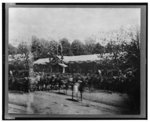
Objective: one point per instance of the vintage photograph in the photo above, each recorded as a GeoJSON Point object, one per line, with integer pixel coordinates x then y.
{"type": "Point", "coordinates": [74, 61]}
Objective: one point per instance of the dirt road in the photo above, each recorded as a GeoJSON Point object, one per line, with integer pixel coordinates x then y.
{"type": "Point", "coordinates": [54, 103]}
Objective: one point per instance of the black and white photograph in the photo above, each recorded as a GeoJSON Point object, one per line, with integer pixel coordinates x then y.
{"type": "Point", "coordinates": [75, 61]}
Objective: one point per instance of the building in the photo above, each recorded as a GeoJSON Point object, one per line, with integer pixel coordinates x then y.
{"type": "Point", "coordinates": [71, 64]}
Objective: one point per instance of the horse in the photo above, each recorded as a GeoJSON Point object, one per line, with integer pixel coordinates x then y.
{"type": "Point", "coordinates": [78, 87]}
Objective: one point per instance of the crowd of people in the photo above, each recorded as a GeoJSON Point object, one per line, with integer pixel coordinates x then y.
{"type": "Point", "coordinates": [41, 81]}
{"type": "Point", "coordinates": [77, 82]}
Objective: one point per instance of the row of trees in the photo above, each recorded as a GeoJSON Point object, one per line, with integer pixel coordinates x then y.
{"type": "Point", "coordinates": [41, 47]}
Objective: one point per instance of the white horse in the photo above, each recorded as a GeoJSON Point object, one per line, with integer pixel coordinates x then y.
{"type": "Point", "coordinates": [76, 90]}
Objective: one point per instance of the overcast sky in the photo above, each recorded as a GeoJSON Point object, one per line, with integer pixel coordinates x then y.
{"type": "Point", "coordinates": [72, 23]}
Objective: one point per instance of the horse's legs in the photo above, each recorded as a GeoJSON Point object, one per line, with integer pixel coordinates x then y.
{"type": "Point", "coordinates": [81, 95]}
{"type": "Point", "coordinates": [66, 91]}
{"type": "Point", "coordinates": [72, 94]}
{"type": "Point", "coordinates": [77, 95]}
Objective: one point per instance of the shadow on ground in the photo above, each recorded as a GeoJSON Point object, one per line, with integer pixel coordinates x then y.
{"type": "Point", "coordinates": [72, 100]}
{"type": "Point", "coordinates": [60, 93]}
